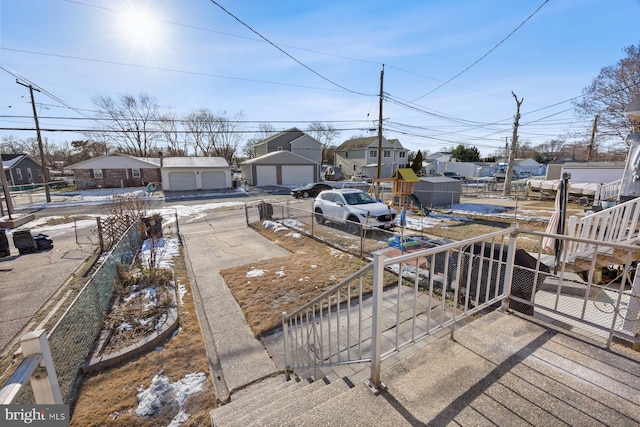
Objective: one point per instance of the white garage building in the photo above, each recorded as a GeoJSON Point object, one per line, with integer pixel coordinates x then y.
{"type": "Point", "coordinates": [195, 173]}
{"type": "Point", "coordinates": [280, 168]}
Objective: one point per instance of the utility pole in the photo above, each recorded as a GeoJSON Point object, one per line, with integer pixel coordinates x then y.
{"type": "Point", "coordinates": [380, 135]}
{"type": "Point", "coordinates": [512, 152]}
{"type": "Point", "coordinates": [43, 164]}
{"type": "Point", "coordinates": [591, 148]}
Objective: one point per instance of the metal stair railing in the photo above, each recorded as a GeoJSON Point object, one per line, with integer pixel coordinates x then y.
{"type": "Point", "coordinates": [427, 290]}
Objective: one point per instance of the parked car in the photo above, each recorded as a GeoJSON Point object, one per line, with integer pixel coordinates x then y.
{"type": "Point", "coordinates": [359, 177]}
{"type": "Point", "coordinates": [310, 190]}
{"type": "Point", "coordinates": [453, 175]}
{"type": "Point", "coordinates": [333, 173]}
{"type": "Point", "coordinates": [350, 206]}
{"type": "Point", "coordinates": [524, 174]}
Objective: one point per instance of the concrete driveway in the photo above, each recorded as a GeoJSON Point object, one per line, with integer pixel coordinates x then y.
{"type": "Point", "coordinates": [28, 281]}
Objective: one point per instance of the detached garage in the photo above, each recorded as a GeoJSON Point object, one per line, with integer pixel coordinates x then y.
{"type": "Point", "coordinates": [195, 173]}
{"type": "Point", "coordinates": [280, 168]}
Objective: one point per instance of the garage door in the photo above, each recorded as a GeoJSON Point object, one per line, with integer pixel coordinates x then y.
{"type": "Point", "coordinates": [182, 181]}
{"type": "Point", "coordinates": [297, 175]}
{"type": "Point", "coordinates": [266, 175]}
{"type": "Point", "coordinates": [213, 180]}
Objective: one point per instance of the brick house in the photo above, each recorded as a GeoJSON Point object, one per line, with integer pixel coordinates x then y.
{"type": "Point", "coordinates": [116, 171]}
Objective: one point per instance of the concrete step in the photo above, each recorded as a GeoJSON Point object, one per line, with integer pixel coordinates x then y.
{"type": "Point", "coordinates": [255, 396]}
{"type": "Point", "coordinates": [301, 402]}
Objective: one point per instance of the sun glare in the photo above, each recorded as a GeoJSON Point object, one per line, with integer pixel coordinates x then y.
{"type": "Point", "coordinates": [139, 26]}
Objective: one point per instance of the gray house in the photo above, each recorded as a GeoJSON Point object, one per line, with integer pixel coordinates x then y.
{"type": "Point", "coordinates": [360, 156]}
{"type": "Point", "coordinates": [293, 140]}
{"type": "Point", "coordinates": [22, 169]}
{"type": "Point", "coordinates": [280, 168]}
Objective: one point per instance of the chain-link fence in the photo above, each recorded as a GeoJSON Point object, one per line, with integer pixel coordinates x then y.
{"type": "Point", "coordinates": [72, 338]}
{"type": "Point", "coordinates": [356, 238]}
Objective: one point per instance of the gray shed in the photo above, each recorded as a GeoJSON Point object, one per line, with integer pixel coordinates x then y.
{"type": "Point", "coordinates": [437, 191]}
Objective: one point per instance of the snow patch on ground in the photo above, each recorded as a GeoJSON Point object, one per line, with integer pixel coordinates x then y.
{"type": "Point", "coordinates": [255, 272]}
{"type": "Point", "coordinates": [162, 391]}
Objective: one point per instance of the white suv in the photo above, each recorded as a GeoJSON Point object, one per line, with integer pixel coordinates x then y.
{"type": "Point", "coordinates": [351, 206]}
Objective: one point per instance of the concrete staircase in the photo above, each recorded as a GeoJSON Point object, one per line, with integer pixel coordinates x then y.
{"type": "Point", "coordinates": [498, 370]}
{"type": "Point", "coordinates": [276, 401]}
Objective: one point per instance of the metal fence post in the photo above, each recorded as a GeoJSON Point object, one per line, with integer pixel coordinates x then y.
{"type": "Point", "coordinates": [44, 382]}
{"type": "Point", "coordinates": [100, 236]}
{"type": "Point", "coordinates": [285, 344]}
{"type": "Point", "coordinates": [374, 382]}
{"type": "Point", "coordinates": [508, 274]}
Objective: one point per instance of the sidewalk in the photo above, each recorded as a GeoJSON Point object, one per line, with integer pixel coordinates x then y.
{"type": "Point", "coordinates": [231, 346]}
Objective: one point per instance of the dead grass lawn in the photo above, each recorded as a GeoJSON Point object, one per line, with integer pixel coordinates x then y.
{"type": "Point", "coordinates": [289, 282]}
{"type": "Point", "coordinates": [110, 397]}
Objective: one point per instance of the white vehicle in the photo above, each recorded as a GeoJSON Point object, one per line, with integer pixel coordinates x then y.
{"type": "Point", "coordinates": [351, 206]}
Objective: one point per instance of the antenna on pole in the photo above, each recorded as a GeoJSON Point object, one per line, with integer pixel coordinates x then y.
{"type": "Point", "coordinates": [512, 152]}
{"type": "Point", "coordinates": [380, 134]}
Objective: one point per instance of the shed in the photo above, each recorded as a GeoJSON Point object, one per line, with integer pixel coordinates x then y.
{"type": "Point", "coordinates": [195, 173]}
{"type": "Point", "coordinates": [437, 191]}
{"type": "Point", "coordinates": [280, 168]}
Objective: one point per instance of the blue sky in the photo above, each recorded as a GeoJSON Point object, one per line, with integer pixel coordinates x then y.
{"type": "Point", "coordinates": [195, 55]}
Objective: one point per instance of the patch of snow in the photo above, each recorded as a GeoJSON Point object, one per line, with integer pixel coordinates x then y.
{"type": "Point", "coordinates": [180, 418]}
{"type": "Point", "coordinates": [255, 272]}
{"type": "Point", "coordinates": [124, 326]}
{"type": "Point", "coordinates": [314, 266]}
{"type": "Point", "coordinates": [294, 235]}
{"type": "Point", "coordinates": [279, 229]}
{"type": "Point", "coordinates": [152, 399]}
{"type": "Point", "coordinates": [164, 251]}
{"type": "Point", "coordinates": [182, 291]}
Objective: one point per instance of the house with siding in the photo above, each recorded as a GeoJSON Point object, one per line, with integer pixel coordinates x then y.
{"type": "Point", "coordinates": [360, 156]}
{"type": "Point", "coordinates": [21, 169]}
{"type": "Point", "coordinates": [293, 140]}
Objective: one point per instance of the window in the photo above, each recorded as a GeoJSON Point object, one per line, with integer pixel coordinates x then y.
{"type": "Point", "coordinates": [19, 173]}
{"type": "Point", "coordinates": [386, 153]}
{"type": "Point", "coordinates": [279, 148]}
{"type": "Point", "coordinates": [373, 153]}
{"type": "Point", "coordinates": [30, 174]}
{"type": "Point", "coordinates": [402, 154]}
{"type": "Point", "coordinates": [135, 173]}
{"type": "Point", "coordinates": [97, 173]}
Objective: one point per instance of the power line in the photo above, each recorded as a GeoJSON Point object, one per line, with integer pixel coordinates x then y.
{"type": "Point", "coordinates": [172, 70]}
{"type": "Point", "coordinates": [485, 55]}
{"type": "Point", "coordinates": [288, 54]}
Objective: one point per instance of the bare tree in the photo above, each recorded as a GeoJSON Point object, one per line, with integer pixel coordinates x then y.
{"type": "Point", "coordinates": [610, 93]}
{"type": "Point", "coordinates": [131, 129]}
{"type": "Point", "coordinates": [176, 140]}
{"type": "Point", "coordinates": [325, 134]}
{"type": "Point", "coordinates": [227, 138]}
{"type": "Point", "coordinates": [266, 130]}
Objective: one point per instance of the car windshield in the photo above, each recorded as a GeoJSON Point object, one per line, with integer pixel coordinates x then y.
{"type": "Point", "coordinates": [358, 198]}
{"type": "Point", "coordinates": [309, 186]}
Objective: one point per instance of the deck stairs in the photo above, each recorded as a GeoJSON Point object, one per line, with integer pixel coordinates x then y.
{"type": "Point", "coordinates": [617, 224]}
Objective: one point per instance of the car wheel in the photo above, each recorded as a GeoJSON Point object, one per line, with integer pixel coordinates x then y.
{"type": "Point", "coordinates": [319, 217]}
{"type": "Point", "coordinates": [305, 195]}
{"type": "Point", "coordinates": [353, 225]}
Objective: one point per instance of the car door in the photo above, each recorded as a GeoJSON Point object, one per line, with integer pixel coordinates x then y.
{"type": "Point", "coordinates": [338, 207]}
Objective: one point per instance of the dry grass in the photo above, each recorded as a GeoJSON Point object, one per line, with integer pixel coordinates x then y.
{"type": "Point", "coordinates": [110, 397]}
{"type": "Point", "coordinates": [287, 282]}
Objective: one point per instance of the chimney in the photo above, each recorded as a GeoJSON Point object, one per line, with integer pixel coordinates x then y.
{"type": "Point", "coordinates": [161, 158]}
